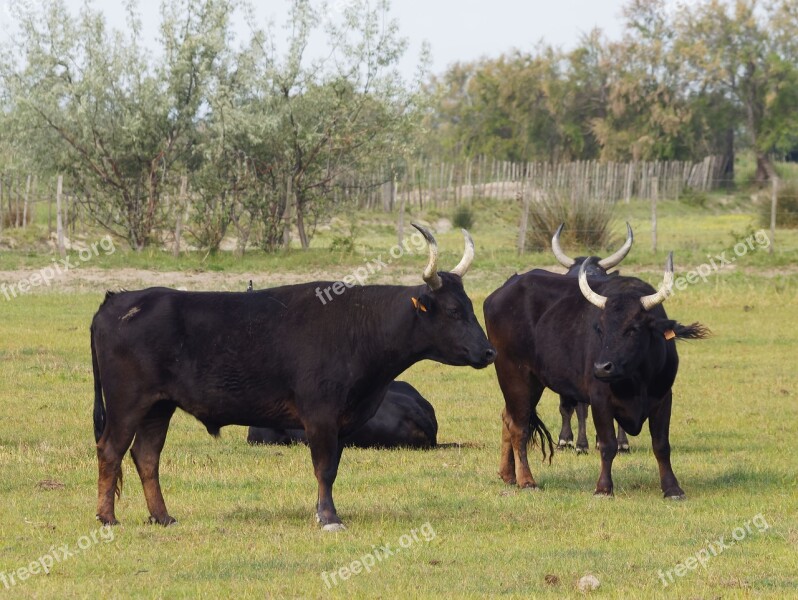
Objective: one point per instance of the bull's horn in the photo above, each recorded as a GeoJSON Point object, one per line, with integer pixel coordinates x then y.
{"type": "Point", "coordinates": [615, 259]}
{"type": "Point", "coordinates": [665, 289]}
{"type": "Point", "coordinates": [431, 277]}
{"type": "Point", "coordinates": [565, 260]}
{"type": "Point", "coordinates": [468, 256]}
{"type": "Point", "coordinates": [595, 299]}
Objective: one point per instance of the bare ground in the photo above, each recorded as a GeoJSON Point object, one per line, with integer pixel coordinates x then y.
{"type": "Point", "coordinates": [90, 279]}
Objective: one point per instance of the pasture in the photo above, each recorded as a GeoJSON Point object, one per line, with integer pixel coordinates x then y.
{"type": "Point", "coordinates": [451, 527]}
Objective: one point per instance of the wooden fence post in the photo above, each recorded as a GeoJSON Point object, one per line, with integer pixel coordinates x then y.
{"type": "Point", "coordinates": [654, 194]}
{"type": "Point", "coordinates": [524, 219]}
{"type": "Point", "coordinates": [58, 221]}
{"type": "Point", "coordinates": [774, 198]}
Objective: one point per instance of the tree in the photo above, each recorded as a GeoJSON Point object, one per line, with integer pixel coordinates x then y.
{"type": "Point", "coordinates": [123, 122]}
{"type": "Point", "coordinates": [746, 53]}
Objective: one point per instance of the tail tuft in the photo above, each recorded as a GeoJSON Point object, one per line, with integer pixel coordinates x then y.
{"type": "Point", "coordinates": [537, 429]}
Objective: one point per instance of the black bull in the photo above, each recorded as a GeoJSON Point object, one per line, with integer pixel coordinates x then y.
{"type": "Point", "coordinates": [404, 420]}
{"type": "Point", "coordinates": [606, 342]}
{"type": "Point", "coordinates": [568, 406]}
{"type": "Point", "coordinates": [273, 358]}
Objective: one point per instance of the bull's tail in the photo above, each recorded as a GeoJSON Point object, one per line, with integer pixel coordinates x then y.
{"type": "Point", "coordinates": [99, 405]}
{"type": "Point", "coordinates": [538, 431]}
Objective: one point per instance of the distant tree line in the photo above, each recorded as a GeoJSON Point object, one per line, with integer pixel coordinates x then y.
{"type": "Point", "coordinates": [701, 79]}
{"type": "Point", "coordinates": [219, 132]}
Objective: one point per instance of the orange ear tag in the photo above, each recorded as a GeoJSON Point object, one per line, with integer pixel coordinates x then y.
{"type": "Point", "coordinates": [417, 305]}
{"type": "Point", "coordinates": [669, 335]}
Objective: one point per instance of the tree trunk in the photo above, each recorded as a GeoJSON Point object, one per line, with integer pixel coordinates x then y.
{"type": "Point", "coordinates": [764, 168]}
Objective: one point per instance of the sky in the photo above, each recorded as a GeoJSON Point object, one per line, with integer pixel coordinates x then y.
{"type": "Point", "coordinates": [457, 30]}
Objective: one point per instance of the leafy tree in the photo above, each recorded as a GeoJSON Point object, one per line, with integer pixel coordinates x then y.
{"type": "Point", "coordinates": [746, 54]}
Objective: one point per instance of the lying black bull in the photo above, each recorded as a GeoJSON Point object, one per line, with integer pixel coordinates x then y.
{"type": "Point", "coordinates": [403, 420]}
{"type": "Point", "coordinates": [568, 405]}
{"type": "Point", "coordinates": [608, 343]}
{"type": "Point", "coordinates": [273, 358]}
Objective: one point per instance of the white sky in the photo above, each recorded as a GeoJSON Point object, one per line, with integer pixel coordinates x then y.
{"type": "Point", "coordinates": [457, 30]}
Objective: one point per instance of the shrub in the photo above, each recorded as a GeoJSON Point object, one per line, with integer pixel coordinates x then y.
{"type": "Point", "coordinates": [463, 217]}
{"type": "Point", "coordinates": [588, 221]}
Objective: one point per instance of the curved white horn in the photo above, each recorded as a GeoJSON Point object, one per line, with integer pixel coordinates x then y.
{"type": "Point", "coordinates": [595, 299]}
{"type": "Point", "coordinates": [565, 260]}
{"type": "Point", "coordinates": [468, 256]}
{"type": "Point", "coordinates": [665, 290]}
{"type": "Point", "coordinates": [614, 259]}
{"type": "Point", "coordinates": [431, 277]}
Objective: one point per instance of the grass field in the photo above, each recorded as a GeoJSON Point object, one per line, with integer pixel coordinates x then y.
{"type": "Point", "coordinates": [245, 514]}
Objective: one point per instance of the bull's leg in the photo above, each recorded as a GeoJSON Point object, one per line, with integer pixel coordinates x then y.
{"type": "Point", "coordinates": [521, 395]}
{"type": "Point", "coordinates": [582, 445]}
{"type": "Point", "coordinates": [566, 437]}
{"type": "Point", "coordinates": [507, 464]}
{"type": "Point", "coordinates": [111, 449]}
{"type": "Point", "coordinates": [659, 425]}
{"type": "Point", "coordinates": [146, 453]}
{"type": "Point", "coordinates": [326, 454]}
{"type": "Point", "coordinates": [608, 446]}
{"type": "Point", "coordinates": [623, 441]}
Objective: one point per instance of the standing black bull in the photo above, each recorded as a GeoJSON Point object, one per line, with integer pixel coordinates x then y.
{"type": "Point", "coordinates": [569, 405]}
{"type": "Point", "coordinates": [615, 351]}
{"type": "Point", "coordinates": [404, 420]}
{"type": "Point", "coordinates": [273, 358]}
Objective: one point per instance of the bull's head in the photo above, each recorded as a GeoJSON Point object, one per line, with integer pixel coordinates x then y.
{"type": "Point", "coordinates": [627, 326]}
{"type": "Point", "coordinates": [446, 316]}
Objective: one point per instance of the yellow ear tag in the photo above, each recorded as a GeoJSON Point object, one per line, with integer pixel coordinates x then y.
{"type": "Point", "coordinates": [669, 335]}
{"type": "Point", "coordinates": [417, 305]}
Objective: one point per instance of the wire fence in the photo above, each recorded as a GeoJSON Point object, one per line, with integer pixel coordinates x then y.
{"type": "Point", "coordinates": [424, 185]}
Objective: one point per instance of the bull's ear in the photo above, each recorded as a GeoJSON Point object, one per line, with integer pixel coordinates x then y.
{"type": "Point", "coordinates": [423, 304]}
{"type": "Point", "coordinates": [666, 328]}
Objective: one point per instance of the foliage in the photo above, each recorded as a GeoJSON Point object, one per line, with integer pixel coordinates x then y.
{"type": "Point", "coordinates": [588, 221]}
{"type": "Point", "coordinates": [463, 217]}
{"type": "Point", "coordinates": [263, 138]}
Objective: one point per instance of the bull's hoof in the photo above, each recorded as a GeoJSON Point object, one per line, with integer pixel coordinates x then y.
{"type": "Point", "coordinates": [508, 479]}
{"type": "Point", "coordinates": [563, 444]}
{"type": "Point", "coordinates": [624, 448]}
{"type": "Point", "coordinates": [582, 449]}
{"type": "Point", "coordinates": [107, 520]}
{"type": "Point", "coordinates": [529, 487]}
{"type": "Point", "coordinates": [603, 494]}
{"type": "Point", "coordinates": [334, 527]}
{"type": "Point", "coordinates": [165, 521]}
{"type": "Point", "coordinates": [675, 494]}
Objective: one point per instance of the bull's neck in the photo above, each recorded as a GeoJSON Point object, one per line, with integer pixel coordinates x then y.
{"type": "Point", "coordinates": [390, 339]}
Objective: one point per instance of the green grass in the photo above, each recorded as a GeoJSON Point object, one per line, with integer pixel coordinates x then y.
{"type": "Point", "coordinates": [246, 513]}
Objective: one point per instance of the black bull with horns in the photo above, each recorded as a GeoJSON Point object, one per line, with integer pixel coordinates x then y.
{"type": "Point", "coordinates": [568, 406]}
{"type": "Point", "coordinates": [608, 343]}
{"type": "Point", "coordinates": [272, 358]}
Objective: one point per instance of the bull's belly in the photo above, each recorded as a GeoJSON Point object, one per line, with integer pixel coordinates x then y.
{"type": "Point", "coordinates": [218, 409]}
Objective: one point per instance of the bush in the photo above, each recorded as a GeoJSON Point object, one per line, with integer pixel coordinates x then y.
{"type": "Point", "coordinates": [786, 207]}
{"type": "Point", "coordinates": [463, 217]}
{"type": "Point", "coordinates": [588, 221]}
